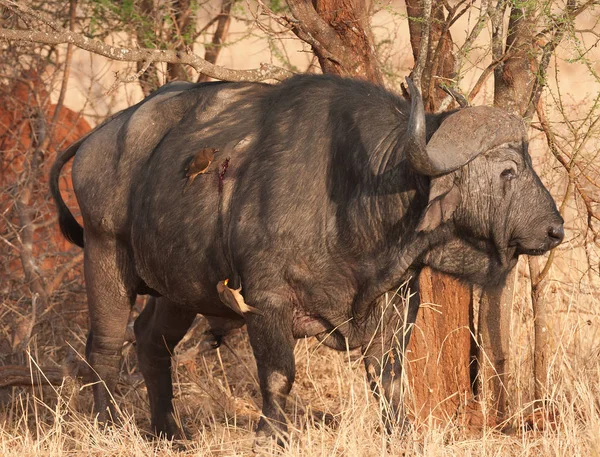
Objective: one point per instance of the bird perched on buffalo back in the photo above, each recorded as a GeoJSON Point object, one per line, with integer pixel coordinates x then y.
{"type": "Point", "coordinates": [199, 164]}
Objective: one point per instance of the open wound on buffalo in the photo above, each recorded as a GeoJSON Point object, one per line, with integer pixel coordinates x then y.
{"type": "Point", "coordinates": [233, 299]}
{"type": "Point", "coordinates": [199, 164]}
{"type": "Point", "coordinates": [224, 167]}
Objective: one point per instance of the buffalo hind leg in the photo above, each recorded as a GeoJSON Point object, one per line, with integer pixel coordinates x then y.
{"type": "Point", "coordinates": [383, 358]}
{"type": "Point", "coordinates": [158, 329]}
{"type": "Point", "coordinates": [110, 286]}
{"type": "Point", "coordinates": [272, 341]}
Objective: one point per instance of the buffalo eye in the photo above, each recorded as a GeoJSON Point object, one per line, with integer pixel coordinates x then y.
{"type": "Point", "coordinates": [509, 174]}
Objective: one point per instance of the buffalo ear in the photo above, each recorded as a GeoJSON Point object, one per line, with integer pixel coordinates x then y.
{"type": "Point", "coordinates": [444, 198]}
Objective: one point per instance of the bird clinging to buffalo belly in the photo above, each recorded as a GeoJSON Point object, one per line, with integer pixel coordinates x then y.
{"type": "Point", "coordinates": [337, 192]}
{"type": "Point", "coordinates": [234, 299]}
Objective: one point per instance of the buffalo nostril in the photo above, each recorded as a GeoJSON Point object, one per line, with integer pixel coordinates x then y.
{"type": "Point", "coordinates": [556, 233]}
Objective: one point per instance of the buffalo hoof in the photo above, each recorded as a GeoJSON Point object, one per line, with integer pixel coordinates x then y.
{"type": "Point", "coordinates": [210, 341]}
{"type": "Point", "coordinates": [169, 429]}
{"type": "Point", "coordinates": [265, 444]}
{"type": "Point", "coordinates": [107, 417]}
{"type": "Point", "coordinates": [217, 340]}
{"type": "Point", "coordinates": [270, 436]}
{"type": "Point", "coordinates": [400, 427]}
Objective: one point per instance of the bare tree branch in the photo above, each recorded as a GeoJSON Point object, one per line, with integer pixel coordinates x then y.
{"type": "Point", "coordinates": [455, 95]}
{"type": "Point", "coordinates": [62, 272]}
{"type": "Point", "coordinates": [561, 26]}
{"type": "Point", "coordinates": [14, 6]}
{"type": "Point", "coordinates": [485, 74]}
{"type": "Point", "coordinates": [266, 71]}
{"type": "Point", "coordinates": [17, 375]}
{"type": "Point", "coordinates": [473, 34]}
{"type": "Point", "coordinates": [65, 80]}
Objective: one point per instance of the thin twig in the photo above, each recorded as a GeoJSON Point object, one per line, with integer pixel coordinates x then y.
{"type": "Point", "coordinates": [129, 78]}
{"type": "Point", "coordinates": [60, 274]}
{"type": "Point", "coordinates": [19, 7]}
{"type": "Point", "coordinates": [561, 26]}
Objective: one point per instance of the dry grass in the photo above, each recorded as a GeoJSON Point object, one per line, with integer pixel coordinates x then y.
{"type": "Point", "coordinates": [218, 399]}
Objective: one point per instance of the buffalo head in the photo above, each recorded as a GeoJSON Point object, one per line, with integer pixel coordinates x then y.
{"type": "Point", "coordinates": [483, 185]}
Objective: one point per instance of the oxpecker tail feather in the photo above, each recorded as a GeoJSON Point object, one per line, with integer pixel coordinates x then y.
{"type": "Point", "coordinates": [70, 228]}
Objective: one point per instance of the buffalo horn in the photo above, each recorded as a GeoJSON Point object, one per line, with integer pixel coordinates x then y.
{"type": "Point", "coordinates": [415, 147]}
{"type": "Point", "coordinates": [461, 137]}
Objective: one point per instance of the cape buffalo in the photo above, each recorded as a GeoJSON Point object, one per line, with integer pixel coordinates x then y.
{"type": "Point", "coordinates": [319, 195]}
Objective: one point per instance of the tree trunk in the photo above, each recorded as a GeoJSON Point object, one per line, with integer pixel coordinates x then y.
{"type": "Point", "coordinates": [540, 348]}
{"type": "Point", "coordinates": [493, 335]}
{"type": "Point", "coordinates": [514, 80]}
{"type": "Point", "coordinates": [439, 62]}
{"type": "Point", "coordinates": [440, 349]}
{"type": "Point", "coordinates": [350, 20]}
{"type": "Point", "coordinates": [340, 35]}
{"type": "Point", "coordinates": [441, 345]}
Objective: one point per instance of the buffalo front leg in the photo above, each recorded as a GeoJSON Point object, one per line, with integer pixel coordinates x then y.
{"type": "Point", "coordinates": [110, 291]}
{"type": "Point", "coordinates": [273, 343]}
{"type": "Point", "coordinates": [384, 353]}
{"type": "Point", "coordinates": [159, 327]}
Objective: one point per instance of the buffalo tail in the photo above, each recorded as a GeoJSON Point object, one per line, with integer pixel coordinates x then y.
{"type": "Point", "coordinates": [69, 226]}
